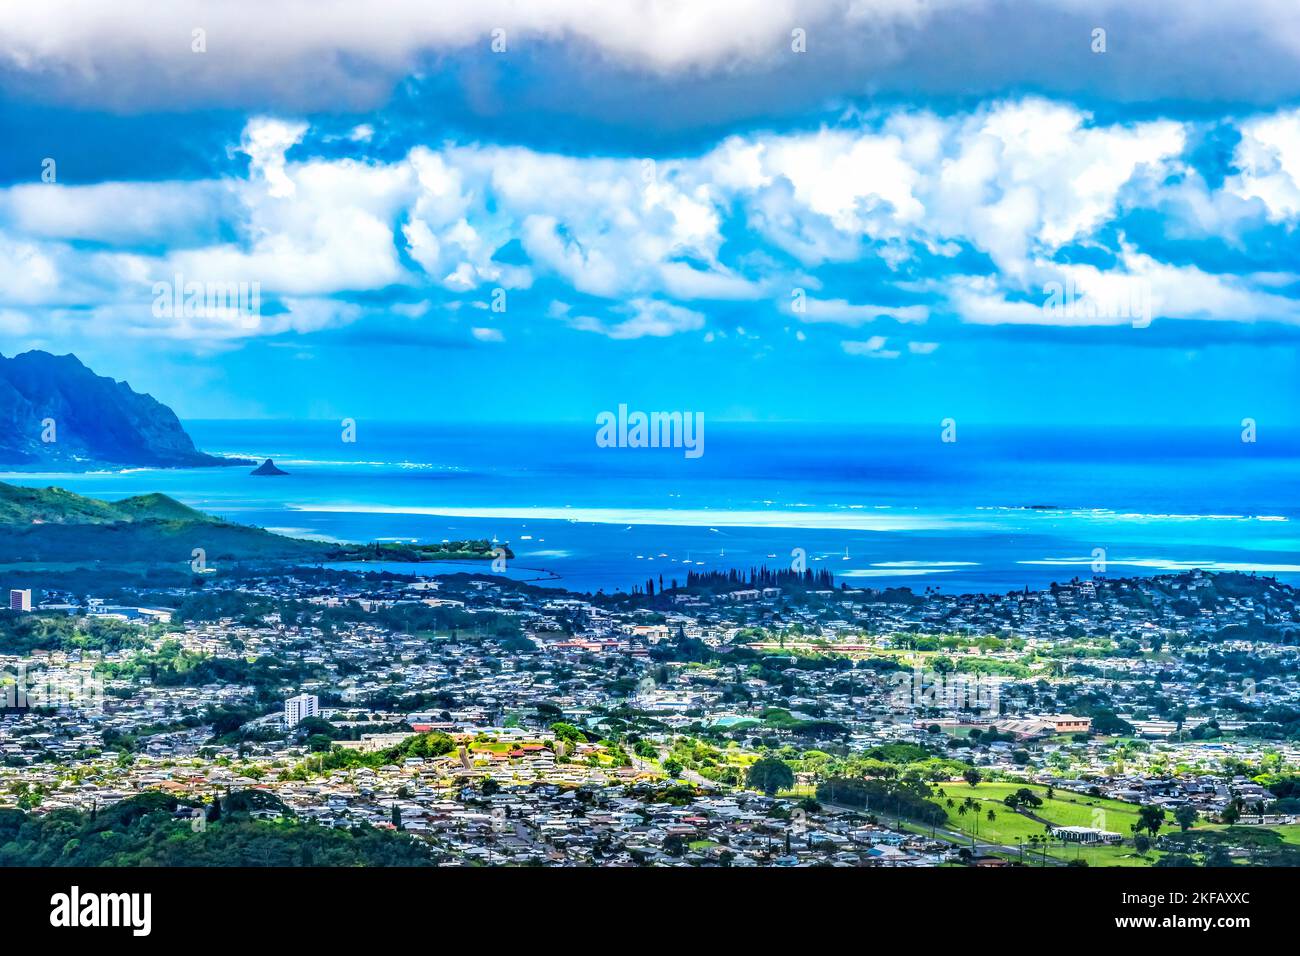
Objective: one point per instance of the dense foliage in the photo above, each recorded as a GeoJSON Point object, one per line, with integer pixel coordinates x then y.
{"type": "Point", "coordinates": [904, 799]}
{"type": "Point", "coordinates": [154, 829]}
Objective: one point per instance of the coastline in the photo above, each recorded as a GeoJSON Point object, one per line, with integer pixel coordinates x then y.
{"type": "Point", "coordinates": [879, 506]}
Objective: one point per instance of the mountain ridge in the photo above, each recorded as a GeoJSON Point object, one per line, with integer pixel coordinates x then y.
{"type": "Point", "coordinates": [56, 526]}
{"type": "Point", "coordinates": [54, 410]}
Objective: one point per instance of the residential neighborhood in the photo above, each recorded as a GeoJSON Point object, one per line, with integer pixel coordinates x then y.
{"type": "Point", "coordinates": [623, 730]}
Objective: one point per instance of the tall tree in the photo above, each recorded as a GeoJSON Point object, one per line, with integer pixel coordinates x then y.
{"type": "Point", "coordinates": [770, 775]}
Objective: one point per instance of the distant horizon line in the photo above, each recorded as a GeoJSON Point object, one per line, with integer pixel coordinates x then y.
{"type": "Point", "coordinates": [829, 423]}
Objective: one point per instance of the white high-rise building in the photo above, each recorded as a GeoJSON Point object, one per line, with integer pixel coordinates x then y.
{"type": "Point", "coordinates": [298, 709]}
{"type": "Point", "coordinates": [20, 600]}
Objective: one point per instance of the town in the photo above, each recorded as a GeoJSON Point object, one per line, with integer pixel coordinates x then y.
{"type": "Point", "coordinates": [743, 719]}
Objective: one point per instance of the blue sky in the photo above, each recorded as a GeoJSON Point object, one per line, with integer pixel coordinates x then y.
{"type": "Point", "coordinates": [664, 204]}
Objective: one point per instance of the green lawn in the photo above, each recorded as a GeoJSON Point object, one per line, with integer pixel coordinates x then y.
{"type": "Point", "coordinates": [1062, 809]}
{"type": "Point", "coordinates": [798, 792]}
{"type": "Point", "coordinates": [1065, 808]}
{"type": "Point", "coordinates": [494, 746]}
{"type": "Point", "coordinates": [1290, 832]}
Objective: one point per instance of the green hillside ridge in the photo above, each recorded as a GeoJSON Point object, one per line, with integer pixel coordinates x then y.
{"type": "Point", "coordinates": [52, 525]}
{"type": "Point", "coordinates": [20, 505]}
{"type": "Point", "coordinates": [158, 507]}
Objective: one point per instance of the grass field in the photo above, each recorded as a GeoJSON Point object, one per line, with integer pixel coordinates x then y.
{"type": "Point", "coordinates": [1062, 809]}
{"type": "Point", "coordinates": [1290, 833]}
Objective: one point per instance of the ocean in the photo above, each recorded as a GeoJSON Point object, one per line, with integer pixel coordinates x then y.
{"type": "Point", "coordinates": [998, 509]}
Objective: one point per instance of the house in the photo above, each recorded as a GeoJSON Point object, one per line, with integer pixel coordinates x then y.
{"type": "Point", "coordinates": [1087, 835]}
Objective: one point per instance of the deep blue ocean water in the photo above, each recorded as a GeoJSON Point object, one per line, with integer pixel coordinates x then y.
{"type": "Point", "coordinates": [997, 509]}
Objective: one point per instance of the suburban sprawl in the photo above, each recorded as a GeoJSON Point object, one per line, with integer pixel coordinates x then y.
{"type": "Point", "coordinates": [750, 718]}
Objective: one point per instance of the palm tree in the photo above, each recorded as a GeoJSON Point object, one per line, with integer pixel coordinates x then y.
{"type": "Point", "coordinates": [1036, 839]}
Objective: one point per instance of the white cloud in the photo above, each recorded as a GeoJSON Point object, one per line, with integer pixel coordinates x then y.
{"type": "Point", "coordinates": [686, 282]}
{"type": "Point", "coordinates": [841, 312]}
{"type": "Point", "coordinates": [265, 142]}
{"type": "Point", "coordinates": [1016, 180]}
{"type": "Point", "coordinates": [320, 51]}
{"type": "Point", "coordinates": [859, 183]}
{"type": "Point", "coordinates": [299, 47]}
{"type": "Point", "coordinates": [1269, 158]}
{"type": "Point", "coordinates": [1142, 291]}
{"type": "Point", "coordinates": [28, 273]}
{"type": "Point", "coordinates": [649, 317]}
{"type": "Point", "coordinates": [1010, 178]}
{"type": "Point", "coordinates": [873, 347]}
{"type": "Point", "coordinates": [118, 212]}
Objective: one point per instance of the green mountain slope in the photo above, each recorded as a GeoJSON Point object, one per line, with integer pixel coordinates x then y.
{"type": "Point", "coordinates": [52, 525]}
{"type": "Point", "coordinates": [158, 507]}
{"type": "Point", "coordinates": [30, 505]}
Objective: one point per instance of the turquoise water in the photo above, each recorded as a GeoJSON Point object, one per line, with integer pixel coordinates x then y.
{"type": "Point", "coordinates": [996, 510]}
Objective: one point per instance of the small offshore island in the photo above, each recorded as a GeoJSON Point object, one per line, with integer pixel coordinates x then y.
{"type": "Point", "coordinates": [267, 468]}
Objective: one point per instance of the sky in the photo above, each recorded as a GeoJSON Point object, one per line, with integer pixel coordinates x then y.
{"type": "Point", "coordinates": [1039, 212]}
